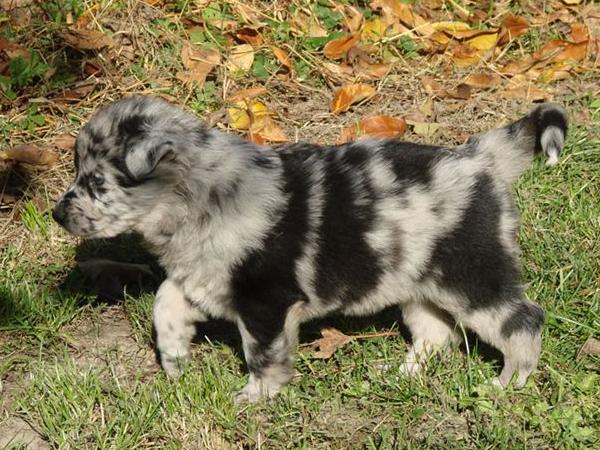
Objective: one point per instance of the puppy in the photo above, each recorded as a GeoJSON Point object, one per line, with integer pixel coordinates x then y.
{"type": "Point", "coordinates": [270, 237]}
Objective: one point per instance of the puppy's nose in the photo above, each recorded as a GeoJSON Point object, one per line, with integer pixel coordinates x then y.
{"type": "Point", "coordinates": [59, 213]}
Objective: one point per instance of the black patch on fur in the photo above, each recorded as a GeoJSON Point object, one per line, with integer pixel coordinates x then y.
{"type": "Point", "coordinates": [472, 259]}
{"type": "Point", "coordinates": [132, 126]}
{"type": "Point", "coordinates": [525, 317]}
{"type": "Point", "coordinates": [346, 266]}
{"type": "Point", "coordinates": [411, 163]}
{"type": "Point", "coordinates": [263, 161]}
{"type": "Point", "coordinates": [264, 283]}
{"type": "Point", "coordinates": [123, 176]}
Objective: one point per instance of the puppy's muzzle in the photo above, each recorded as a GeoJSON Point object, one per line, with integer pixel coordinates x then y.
{"type": "Point", "coordinates": [59, 213]}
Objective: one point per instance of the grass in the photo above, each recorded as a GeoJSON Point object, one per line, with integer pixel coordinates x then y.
{"type": "Point", "coordinates": [82, 372]}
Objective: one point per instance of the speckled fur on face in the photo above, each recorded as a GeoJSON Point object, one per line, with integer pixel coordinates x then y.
{"type": "Point", "coordinates": [270, 237]}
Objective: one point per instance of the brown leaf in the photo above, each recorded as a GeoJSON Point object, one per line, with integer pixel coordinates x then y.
{"type": "Point", "coordinates": [337, 48]}
{"type": "Point", "coordinates": [30, 154]}
{"type": "Point", "coordinates": [367, 71]}
{"type": "Point", "coordinates": [464, 55]}
{"type": "Point", "coordinates": [348, 95]}
{"type": "Point", "coordinates": [431, 86]}
{"type": "Point", "coordinates": [482, 80]}
{"type": "Point", "coordinates": [579, 33]}
{"type": "Point", "coordinates": [246, 94]}
{"type": "Point", "coordinates": [87, 39]}
{"type": "Point", "coordinates": [282, 57]}
{"type": "Point", "coordinates": [376, 127]}
{"type": "Point", "coordinates": [256, 138]}
{"type": "Point", "coordinates": [77, 93]}
{"type": "Point", "coordinates": [330, 340]}
{"type": "Point", "coordinates": [526, 91]}
{"type": "Point", "coordinates": [519, 66]}
{"type": "Point", "coordinates": [461, 92]}
{"type": "Point", "coordinates": [249, 36]}
{"type": "Point", "coordinates": [268, 130]}
{"type": "Point", "coordinates": [512, 27]}
{"type": "Point", "coordinates": [64, 141]}
{"type": "Point", "coordinates": [198, 62]}
{"type": "Point", "coordinates": [353, 19]}
{"type": "Point", "coordinates": [557, 50]}
{"type": "Point", "coordinates": [343, 71]}
{"type": "Point", "coordinates": [590, 347]}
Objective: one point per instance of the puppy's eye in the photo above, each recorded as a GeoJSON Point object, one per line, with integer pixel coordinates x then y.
{"type": "Point", "coordinates": [97, 180]}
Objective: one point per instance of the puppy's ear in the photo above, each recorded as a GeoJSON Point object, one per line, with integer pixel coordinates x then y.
{"type": "Point", "coordinates": [143, 157]}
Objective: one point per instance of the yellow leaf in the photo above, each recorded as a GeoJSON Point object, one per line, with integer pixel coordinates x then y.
{"type": "Point", "coordinates": [483, 41]}
{"type": "Point", "coordinates": [373, 30]}
{"type": "Point", "coordinates": [246, 112]}
{"type": "Point", "coordinates": [450, 26]}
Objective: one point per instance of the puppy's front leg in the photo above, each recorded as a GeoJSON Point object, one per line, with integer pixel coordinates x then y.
{"type": "Point", "coordinates": [174, 323]}
{"type": "Point", "coordinates": [270, 360]}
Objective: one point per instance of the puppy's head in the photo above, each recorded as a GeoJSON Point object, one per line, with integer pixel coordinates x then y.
{"type": "Point", "coordinates": [128, 158]}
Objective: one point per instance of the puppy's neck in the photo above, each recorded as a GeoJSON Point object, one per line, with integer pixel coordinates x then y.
{"type": "Point", "coordinates": [225, 204]}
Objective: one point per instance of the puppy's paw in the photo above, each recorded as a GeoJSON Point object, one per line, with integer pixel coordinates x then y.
{"type": "Point", "coordinates": [410, 368]}
{"type": "Point", "coordinates": [247, 395]}
{"type": "Point", "coordinates": [174, 366]}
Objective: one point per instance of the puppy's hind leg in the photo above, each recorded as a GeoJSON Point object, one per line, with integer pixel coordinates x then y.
{"type": "Point", "coordinates": [431, 329]}
{"type": "Point", "coordinates": [515, 328]}
{"type": "Point", "coordinates": [174, 323]}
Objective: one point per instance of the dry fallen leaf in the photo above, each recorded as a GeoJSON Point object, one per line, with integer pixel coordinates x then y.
{"type": "Point", "coordinates": [240, 59]}
{"type": "Point", "coordinates": [87, 39]}
{"type": "Point", "coordinates": [367, 71]}
{"type": "Point", "coordinates": [282, 57]}
{"type": "Point", "coordinates": [464, 56]}
{"type": "Point", "coordinates": [373, 30]}
{"type": "Point", "coordinates": [482, 80]}
{"type": "Point", "coordinates": [484, 41]}
{"type": "Point", "coordinates": [268, 130]}
{"type": "Point", "coordinates": [337, 48]}
{"type": "Point", "coordinates": [423, 128]}
{"type": "Point", "coordinates": [29, 154]}
{"type": "Point", "coordinates": [254, 116]}
{"type": "Point", "coordinates": [78, 92]}
{"type": "Point", "coordinates": [348, 95]}
{"type": "Point", "coordinates": [558, 71]}
{"type": "Point", "coordinates": [245, 112]}
{"type": "Point", "coordinates": [246, 94]}
{"type": "Point", "coordinates": [461, 92]}
{"type": "Point", "coordinates": [579, 33]}
{"type": "Point", "coordinates": [431, 86]}
{"type": "Point", "coordinates": [249, 36]}
{"type": "Point", "coordinates": [512, 27]}
{"type": "Point", "coordinates": [590, 347]}
{"type": "Point", "coordinates": [330, 340]}
{"type": "Point", "coordinates": [198, 61]}
{"type": "Point", "coordinates": [526, 91]}
{"type": "Point", "coordinates": [353, 19]}
{"type": "Point", "coordinates": [376, 127]}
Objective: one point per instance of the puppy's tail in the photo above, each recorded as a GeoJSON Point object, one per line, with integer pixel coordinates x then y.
{"type": "Point", "coordinates": [543, 130]}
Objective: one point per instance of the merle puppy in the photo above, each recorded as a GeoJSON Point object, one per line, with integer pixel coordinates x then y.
{"type": "Point", "coordinates": [270, 237]}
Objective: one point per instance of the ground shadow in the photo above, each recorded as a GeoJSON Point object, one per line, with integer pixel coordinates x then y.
{"type": "Point", "coordinates": [112, 286]}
